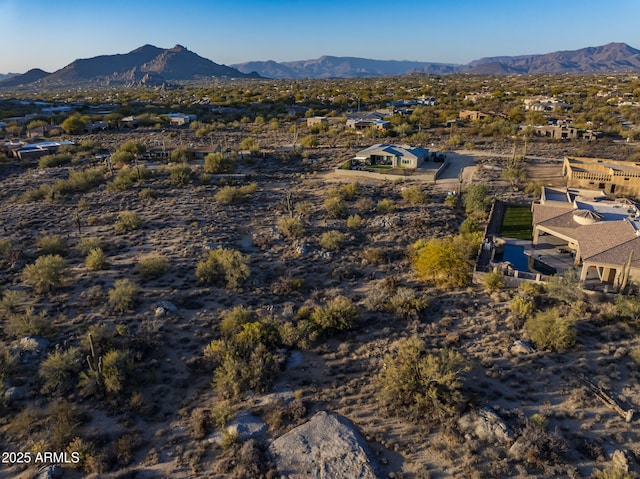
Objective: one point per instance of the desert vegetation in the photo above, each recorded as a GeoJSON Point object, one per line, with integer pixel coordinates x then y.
{"type": "Point", "coordinates": [149, 300]}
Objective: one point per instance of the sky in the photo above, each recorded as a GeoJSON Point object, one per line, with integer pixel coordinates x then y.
{"type": "Point", "coordinates": [51, 34]}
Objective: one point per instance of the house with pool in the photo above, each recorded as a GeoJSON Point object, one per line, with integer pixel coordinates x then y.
{"type": "Point", "coordinates": [596, 234]}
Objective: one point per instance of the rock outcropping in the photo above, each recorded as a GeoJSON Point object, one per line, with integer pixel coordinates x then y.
{"type": "Point", "coordinates": [326, 447]}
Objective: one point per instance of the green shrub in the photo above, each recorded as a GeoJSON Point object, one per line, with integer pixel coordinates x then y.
{"type": "Point", "coordinates": [291, 227]}
{"type": "Point", "coordinates": [522, 307]}
{"type": "Point", "coordinates": [350, 191]}
{"type": "Point", "coordinates": [147, 194]}
{"type": "Point", "coordinates": [46, 273]}
{"type": "Point", "coordinates": [549, 330]}
{"type": "Point", "coordinates": [494, 281]}
{"type": "Point", "coordinates": [59, 370]}
{"type": "Point", "coordinates": [230, 194]}
{"type": "Point", "coordinates": [122, 297]}
{"type": "Point", "coordinates": [51, 244]}
{"type": "Point", "coordinates": [338, 314]}
{"type": "Point", "coordinates": [28, 322]}
{"type": "Point", "coordinates": [613, 473]}
{"type": "Point", "coordinates": [223, 264]}
{"type": "Point", "coordinates": [470, 225]}
{"type": "Point", "coordinates": [332, 240]}
{"type": "Point", "coordinates": [96, 260]}
{"type": "Point", "coordinates": [128, 221]}
{"type": "Point", "coordinates": [152, 266]}
{"type": "Point", "coordinates": [354, 222]}
{"type": "Point", "coordinates": [414, 195]}
{"type": "Point", "coordinates": [180, 175]}
{"type": "Point", "coordinates": [407, 304]}
{"type": "Point", "coordinates": [421, 383]}
{"type": "Point", "coordinates": [5, 246]}
{"type": "Point", "coordinates": [335, 207]}
{"type": "Point", "coordinates": [50, 161]}
{"type": "Point", "coordinates": [218, 163]}
{"type": "Point", "coordinates": [386, 207]}
{"type": "Point", "coordinates": [476, 198]}
{"type": "Point", "coordinates": [127, 177]}
{"type": "Point", "coordinates": [85, 245]}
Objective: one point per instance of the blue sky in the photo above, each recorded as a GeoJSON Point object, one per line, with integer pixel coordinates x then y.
{"type": "Point", "coordinates": [51, 34]}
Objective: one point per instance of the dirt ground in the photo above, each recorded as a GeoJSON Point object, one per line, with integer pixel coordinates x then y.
{"type": "Point", "coordinates": [174, 383]}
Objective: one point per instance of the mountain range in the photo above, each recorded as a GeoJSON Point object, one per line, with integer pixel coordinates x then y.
{"type": "Point", "coordinates": [150, 65]}
{"type": "Point", "coordinates": [147, 65]}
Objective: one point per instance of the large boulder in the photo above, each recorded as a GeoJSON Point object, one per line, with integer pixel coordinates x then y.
{"type": "Point", "coordinates": [326, 447]}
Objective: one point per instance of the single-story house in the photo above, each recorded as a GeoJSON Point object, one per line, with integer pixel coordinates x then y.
{"type": "Point", "coordinates": [602, 233]}
{"type": "Point", "coordinates": [394, 156]}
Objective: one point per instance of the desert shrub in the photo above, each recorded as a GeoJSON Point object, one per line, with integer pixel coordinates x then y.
{"type": "Point", "coordinates": [85, 245]}
{"type": "Point", "coordinates": [46, 273]}
{"type": "Point", "coordinates": [223, 264]}
{"type": "Point", "coordinates": [614, 472]}
{"type": "Point", "coordinates": [414, 195]}
{"type": "Point", "coordinates": [291, 227]}
{"type": "Point", "coordinates": [470, 225]}
{"type": "Point", "coordinates": [107, 374]}
{"type": "Point", "coordinates": [334, 207]}
{"type": "Point", "coordinates": [27, 322]}
{"type": "Point", "coordinates": [147, 194]}
{"type": "Point", "coordinates": [12, 301]}
{"type": "Point", "coordinates": [565, 287]}
{"type": "Point", "coordinates": [304, 208]}
{"type": "Point", "coordinates": [338, 314]}
{"type": "Point", "coordinates": [494, 281]}
{"type": "Point", "coordinates": [230, 194]}
{"type": "Point", "coordinates": [127, 177]}
{"type": "Point", "coordinates": [443, 262]}
{"type": "Point", "coordinates": [51, 244]}
{"type": "Point", "coordinates": [538, 446]}
{"type": "Point", "coordinates": [128, 221]}
{"type": "Point", "coordinates": [309, 141]}
{"type": "Point", "coordinates": [50, 161]}
{"type": "Point", "coordinates": [5, 246]}
{"type": "Point", "coordinates": [364, 205]}
{"type": "Point", "coordinates": [83, 180]}
{"type": "Point", "coordinates": [451, 200]}
{"type": "Point", "coordinates": [218, 163]}
{"type": "Point", "coordinates": [373, 255]}
{"type": "Point", "coordinates": [386, 207]}
{"type": "Point", "coordinates": [349, 191]}
{"type": "Point", "coordinates": [476, 199]}
{"type": "Point", "coordinates": [332, 240]}
{"type": "Point", "coordinates": [180, 175]}
{"type": "Point", "coordinates": [522, 307]}
{"type": "Point", "coordinates": [152, 266]}
{"type": "Point", "coordinates": [96, 260]}
{"type": "Point", "coordinates": [406, 303]}
{"type": "Point", "coordinates": [550, 330]}
{"type": "Point", "coordinates": [59, 370]}
{"type": "Point", "coordinates": [354, 222]}
{"type": "Point", "coordinates": [421, 383]}
{"type": "Point", "coordinates": [122, 297]}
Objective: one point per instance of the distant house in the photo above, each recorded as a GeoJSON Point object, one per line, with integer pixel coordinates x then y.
{"type": "Point", "coordinates": [473, 115]}
{"type": "Point", "coordinates": [317, 120]}
{"type": "Point", "coordinates": [544, 104]}
{"type": "Point", "coordinates": [363, 124]}
{"type": "Point", "coordinates": [34, 151]}
{"type": "Point", "coordinates": [610, 176]}
{"type": "Point", "coordinates": [179, 119]}
{"type": "Point", "coordinates": [129, 122]}
{"type": "Point", "coordinates": [394, 156]}
{"type": "Point", "coordinates": [603, 234]}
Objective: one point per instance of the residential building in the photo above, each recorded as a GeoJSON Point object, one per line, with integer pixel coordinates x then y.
{"type": "Point", "coordinates": [34, 151]}
{"type": "Point", "coordinates": [394, 156]}
{"type": "Point", "coordinates": [473, 115]}
{"type": "Point", "coordinates": [317, 120]}
{"type": "Point", "coordinates": [609, 176]}
{"type": "Point", "coordinates": [603, 234]}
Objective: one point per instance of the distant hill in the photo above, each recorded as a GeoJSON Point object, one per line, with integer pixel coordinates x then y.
{"type": "Point", "coordinates": [610, 58]}
{"type": "Point", "coordinates": [145, 65]}
{"type": "Point", "coordinates": [31, 76]}
{"type": "Point", "coordinates": [150, 65]}
{"type": "Point", "coordinates": [341, 67]}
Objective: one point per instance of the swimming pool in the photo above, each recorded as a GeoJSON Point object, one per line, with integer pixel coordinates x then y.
{"type": "Point", "coordinates": [514, 254]}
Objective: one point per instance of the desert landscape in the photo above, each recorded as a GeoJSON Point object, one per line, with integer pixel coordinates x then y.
{"type": "Point", "coordinates": [220, 299]}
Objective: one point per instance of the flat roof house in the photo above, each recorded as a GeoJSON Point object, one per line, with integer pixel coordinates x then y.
{"type": "Point", "coordinates": [610, 176]}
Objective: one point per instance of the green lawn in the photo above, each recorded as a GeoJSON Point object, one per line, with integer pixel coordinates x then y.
{"type": "Point", "coordinates": [516, 223]}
